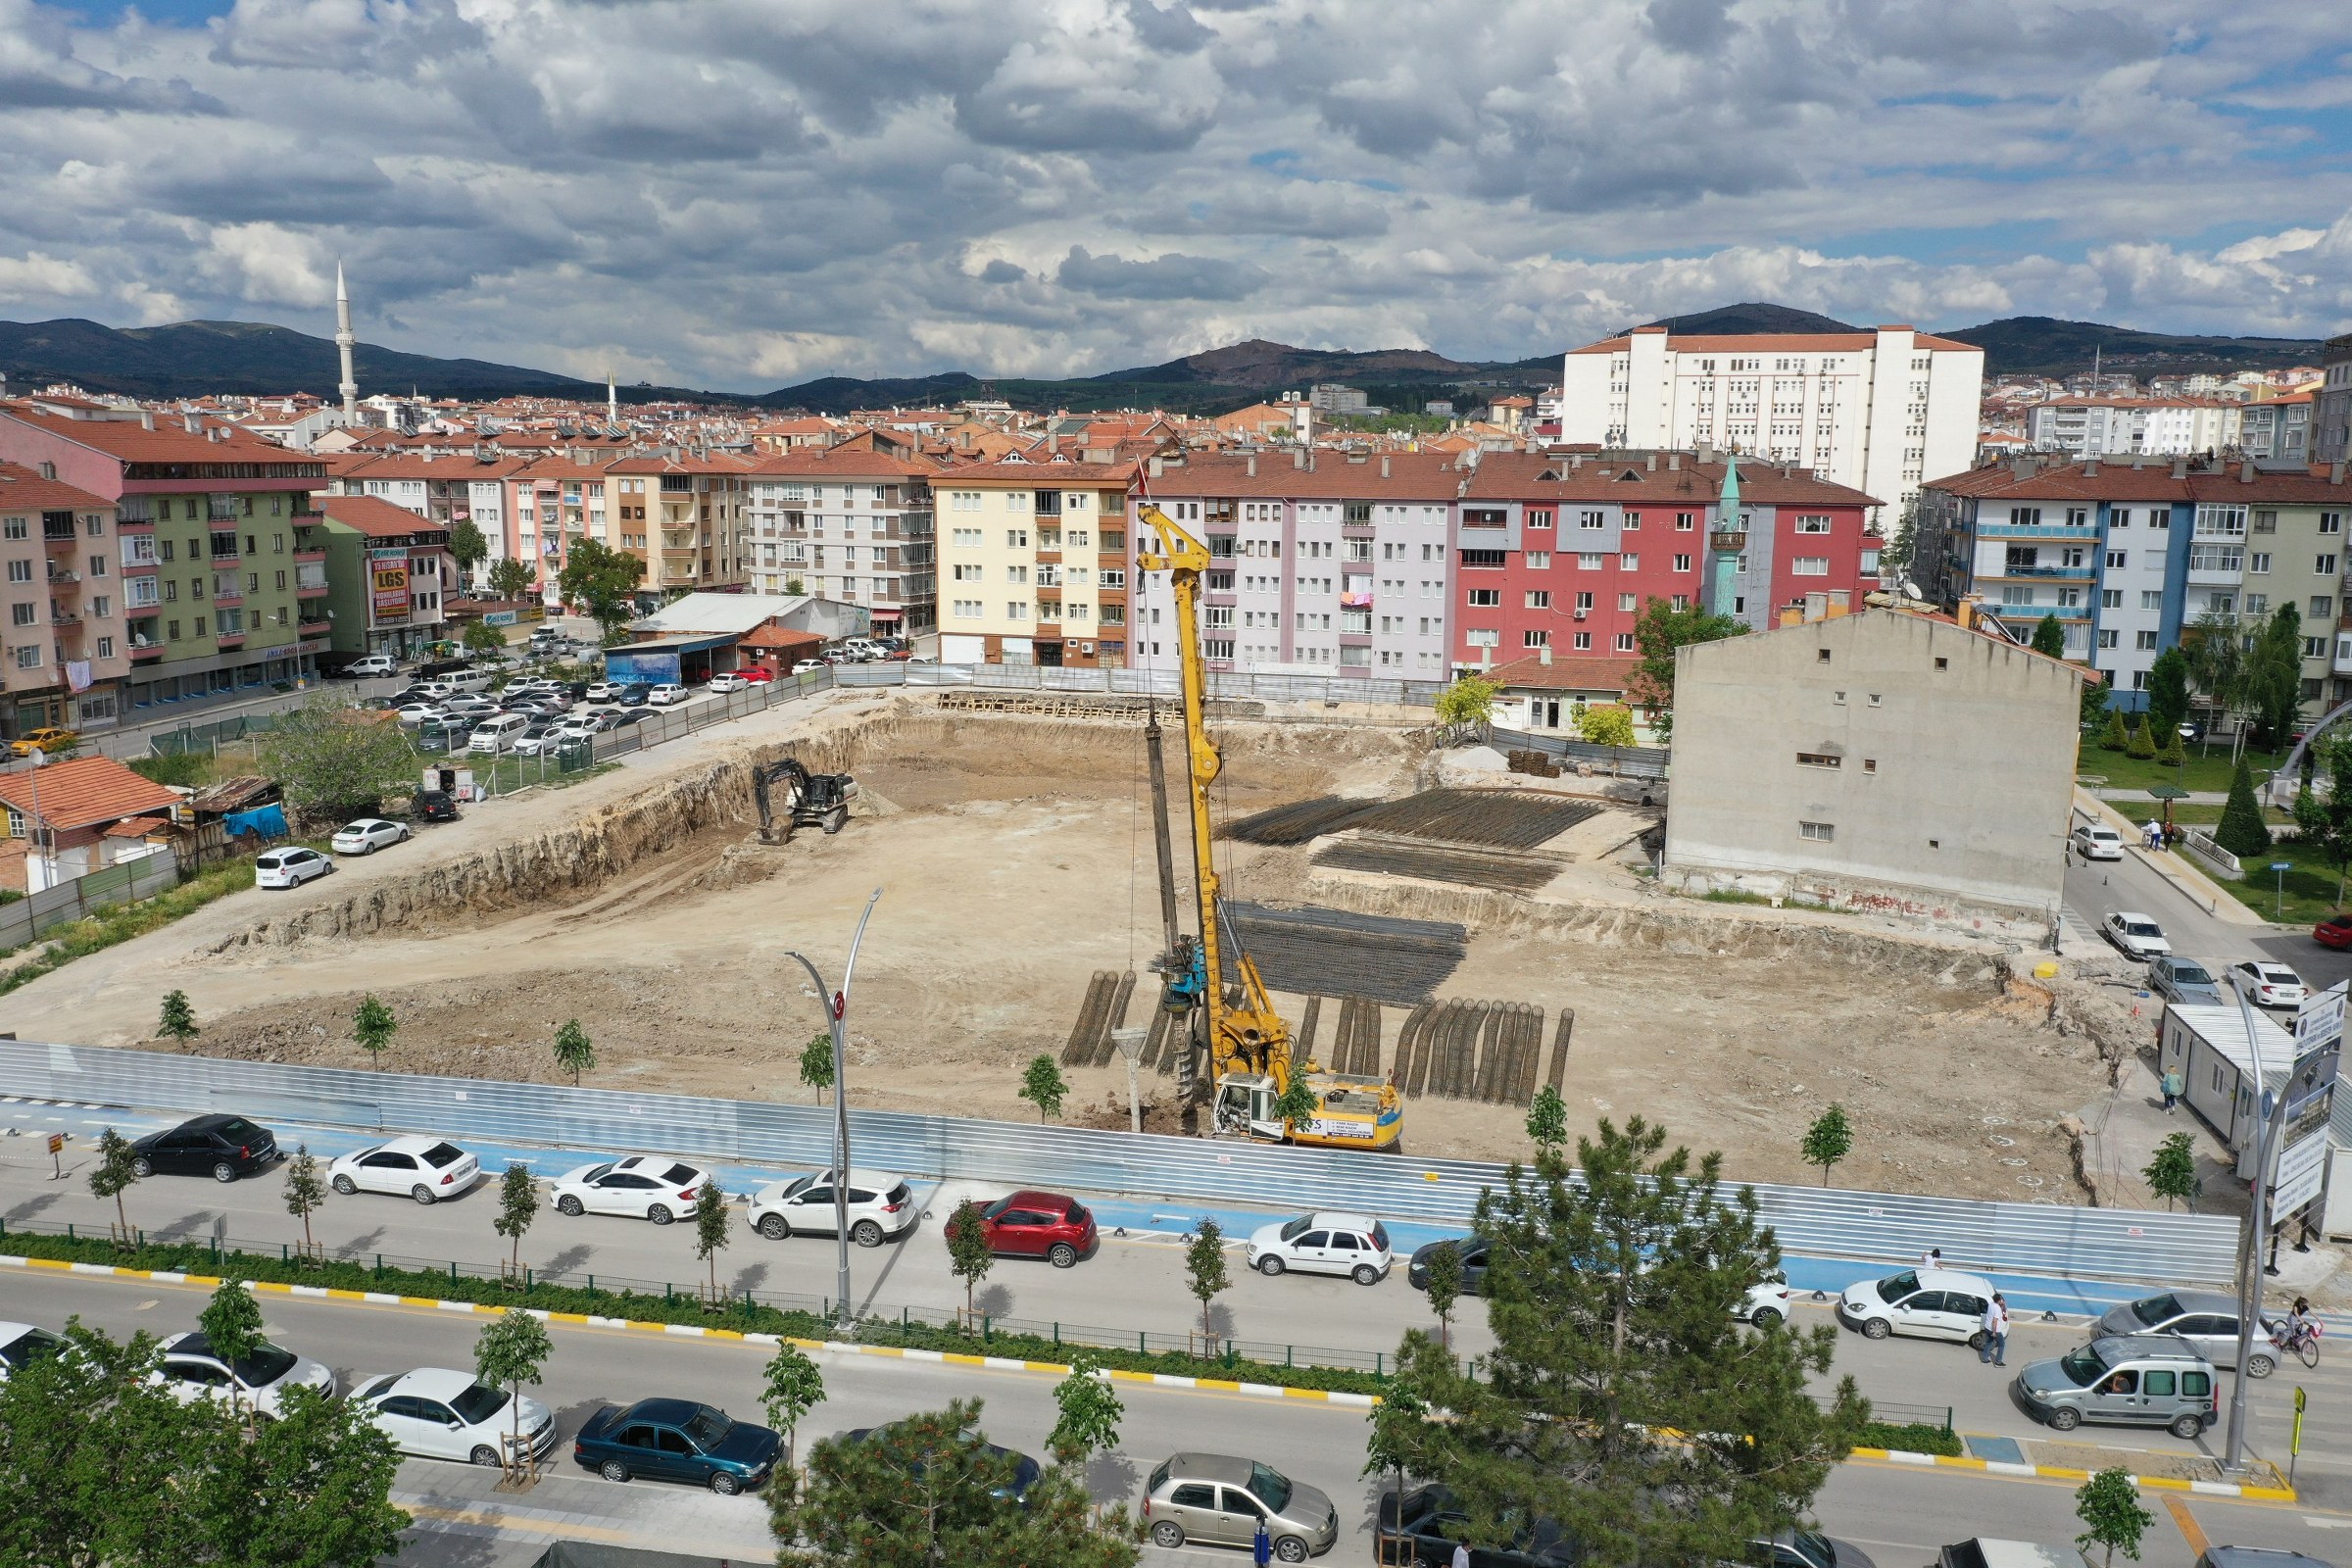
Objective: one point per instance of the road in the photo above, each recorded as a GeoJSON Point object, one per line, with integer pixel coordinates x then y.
{"type": "Point", "coordinates": [1898, 1513]}
{"type": "Point", "coordinates": [2094, 888]}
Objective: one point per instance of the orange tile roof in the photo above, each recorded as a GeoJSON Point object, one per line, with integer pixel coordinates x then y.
{"type": "Point", "coordinates": [1503, 475]}
{"type": "Point", "coordinates": [1567, 672]}
{"type": "Point", "coordinates": [21, 486]}
{"type": "Point", "coordinates": [84, 792]}
{"type": "Point", "coordinates": [859, 459]}
{"type": "Point", "coordinates": [1042, 470]}
{"type": "Point", "coordinates": [377, 517]}
{"type": "Point", "coordinates": [129, 441]}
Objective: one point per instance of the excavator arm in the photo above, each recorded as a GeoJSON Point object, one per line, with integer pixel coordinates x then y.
{"type": "Point", "coordinates": [815, 800]}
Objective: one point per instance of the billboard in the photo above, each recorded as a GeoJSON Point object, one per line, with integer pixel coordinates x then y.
{"type": "Point", "coordinates": [388, 578]}
{"type": "Point", "coordinates": [642, 669]}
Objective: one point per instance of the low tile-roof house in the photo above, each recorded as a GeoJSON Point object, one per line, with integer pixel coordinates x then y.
{"type": "Point", "coordinates": [61, 819]}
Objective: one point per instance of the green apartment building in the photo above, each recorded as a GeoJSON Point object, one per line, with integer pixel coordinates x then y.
{"type": "Point", "coordinates": [381, 570]}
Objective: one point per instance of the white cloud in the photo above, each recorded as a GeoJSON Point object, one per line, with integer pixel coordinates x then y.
{"type": "Point", "coordinates": [736, 194]}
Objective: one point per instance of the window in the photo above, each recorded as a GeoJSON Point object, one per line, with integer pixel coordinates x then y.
{"type": "Point", "coordinates": [2109, 639]}
{"type": "Point", "coordinates": [1684, 522]}
{"type": "Point", "coordinates": [1016, 538]}
{"type": "Point", "coordinates": [1538, 560]}
{"type": "Point", "coordinates": [106, 648]}
{"type": "Point", "coordinates": [2324, 565]}
{"type": "Point", "coordinates": [1812, 525]}
{"type": "Point", "coordinates": [968, 573]}
{"type": "Point", "coordinates": [1682, 563]}
{"type": "Point", "coordinates": [2258, 603]}
{"type": "Point", "coordinates": [2322, 607]}
{"type": "Point", "coordinates": [1589, 560]}
{"type": "Point", "coordinates": [2217, 557]}
{"type": "Point", "coordinates": [1630, 560]}
{"type": "Point", "coordinates": [1535, 639]}
{"type": "Point", "coordinates": [20, 572]}
{"type": "Point", "coordinates": [1627, 603]}
{"type": "Point", "coordinates": [2114, 559]}
{"type": "Point", "coordinates": [1809, 566]}
{"type": "Point", "coordinates": [2151, 599]}
{"type": "Point", "coordinates": [1541, 598]}
{"type": "Point", "coordinates": [967, 610]}
{"type": "Point", "coordinates": [1584, 604]}
{"type": "Point", "coordinates": [1018, 610]}
{"type": "Point", "coordinates": [1016, 573]}
{"type": "Point", "coordinates": [1625, 642]}
{"type": "Point", "coordinates": [1819, 760]}
{"type": "Point", "coordinates": [1540, 518]}
{"type": "Point", "coordinates": [1486, 597]}
{"type": "Point", "coordinates": [1592, 519]}
{"type": "Point", "coordinates": [966, 538]}
{"type": "Point", "coordinates": [1583, 642]}
{"type": "Point", "coordinates": [2111, 599]}
{"type": "Point", "coordinates": [29, 658]}
{"type": "Point", "coordinates": [1821, 656]}
{"type": "Point", "coordinates": [2315, 647]}
{"type": "Point", "coordinates": [2145, 642]}
{"type": "Point", "coordinates": [1633, 522]}
{"type": "Point", "coordinates": [20, 615]}
{"type": "Point", "coordinates": [2220, 522]}
{"type": "Point", "coordinates": [1817, 832]}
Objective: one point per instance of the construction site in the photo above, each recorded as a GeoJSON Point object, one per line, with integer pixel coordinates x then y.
{"type": "Point", "coordinates": [1451, 935]}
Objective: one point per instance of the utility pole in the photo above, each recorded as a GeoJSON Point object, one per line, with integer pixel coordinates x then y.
{"type": "Point", "coordinates": [2251, 1237]}
{"type": "Point", "coordinates": [836, 1012]}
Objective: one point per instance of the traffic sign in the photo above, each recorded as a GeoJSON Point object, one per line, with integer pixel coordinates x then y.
{"type": "Point", "coordinates": [2282, 866]}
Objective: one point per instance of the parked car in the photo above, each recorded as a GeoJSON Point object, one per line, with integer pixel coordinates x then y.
{"type": "Point", "coordinates": [220, 1144]}
{"type": "Point", "coordinates": [666, 695]}
{"type": "Point", "coordinates": [45, 740]}
{"type": "Point", "coordinates": [1219, 1501]}
{"type": "Point", "coordinates": [2179, 979]}
{"type": "Point", "coordinates": [410, 715]}
{"type": "Point", "coordinates": [366, 836]}
{"type": "Point", "coordinates": [193, 1370]}
{"type": "Point", "coordinates": [1021, 1471]}
{"type": "Point", "coordinates": [677, 1439]}
{"type": "Point", "coordinates": [2204, 1320]}
{"type": "Point", "coordinates": [493, 736]}
{"type": "Point", "coordinates": [1425, 1526]}
{"type": "Point", "coordinates": [601, 691]}
{"type": "Point", "coordinates": [579, 730]}
{"type": "Point", "coordinates": [2139, 935]}
{"type": "Point", "coordinates": [427, 1169]}
{"type": "Point", "coordinates": [1929, 1303]}
{"type": "Point", "coordinates": [725, 682]}
{"type": "Point", "coordinates": [2335, 931]}
{"type": "Point", "coordinates": [864, 650]}
{"type": "Point", "coordinates": [633, 696]}
{"type": "Point", "coordinates": [757, 675]}
{"type": "Point", "coordinates": [1034, 1224]}
{"type": "Point", "coordinates": [2096, 841]}
{"type": "Point", "coordinates": [436, 805]}
{"type": "Point", "coordinates": [635, 715]}
{"type": "Point", "coordinates": [2143, 1381]}
{"type": "Point", "coordinates": [541, 735]}
{"type": "Point", "coordinates": [1766, 1302]}
{"type": "Point", "coordinates": [289, 868]}
{"type": "Point", "coordinates": [436, 1413]}
{"type": "Point", "coordinates": [1354, 1245]}
{"type": "Point", "coordinates": [1984, 1551]}
{"type": "Point", "coordinates": [375, 666]}
{"type": "Point", "coordinates": [881, 1207]}
{"type": "Point", "coordinates": [22, 1343]}
{"type": "Point", "coordinates": [2272, 985]}
{"type": "Point", "coordinates": [651, 1187]}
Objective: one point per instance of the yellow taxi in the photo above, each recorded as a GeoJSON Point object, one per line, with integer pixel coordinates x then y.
{"type": "Point", "coordinates": [48, 740]}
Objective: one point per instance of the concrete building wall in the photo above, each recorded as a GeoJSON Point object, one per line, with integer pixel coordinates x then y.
{"type": "Point", "coordinates": [1850, 760]}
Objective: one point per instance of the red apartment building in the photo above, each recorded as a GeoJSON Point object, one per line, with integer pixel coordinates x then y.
{"type": "Point", "coordinates": [1561, 550]}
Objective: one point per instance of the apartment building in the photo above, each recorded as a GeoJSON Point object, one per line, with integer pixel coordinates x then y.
{"type": "Point", "coordinates": [1033, 563]}
{"type": "Point", "coordinates": [2277, 429]}
{"type": "Point", "coordinates": [447, 489]}
{"type": "Point", "coordinates": [556, 502]}
{"type": "Point", "coordinates": [1871, 410]}
{"type": "Point", "coordinates": [849, 524]}
{"type": "Point", "coordinates": [1320, 563]}
{"type": "Point", "coordinates": [2331, 406]}
{"type": "Point", "coordinates": [1563, 551]}
{"type": "Point", "coordinates": [693, 511]}
{"type": "Point", "coordinates": [64, 651]}
{"type": "Point", "coordinates": [2122, 426]}
{"type": "Point", "coordinates": [2130, 555]}
{"type": "Point", "coordinates": [205, 535]}
{"type": "Point", "coordinates": [380, 577]}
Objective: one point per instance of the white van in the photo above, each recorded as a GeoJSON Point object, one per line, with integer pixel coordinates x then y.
{"type": "Point", "coordinates": [372, 666]}
{"type": "Point", "coordinates": [499, 734]}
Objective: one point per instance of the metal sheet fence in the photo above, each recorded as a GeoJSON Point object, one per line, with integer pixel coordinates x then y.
{"type": "Point", "coordinates": [1138, 682]}
{"type": "Point", "coordinates": [25, 919]}
{"type": "Point", "coordinates": [2023, 1238]}
{"type": "Point", "coordinates": [1630, 761]}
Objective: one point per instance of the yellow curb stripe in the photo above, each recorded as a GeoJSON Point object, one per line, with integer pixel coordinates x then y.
{"type": "Point", "coordinates": [567, 1318]}
{"type": "Point", "coordinates": [2051, 1472]}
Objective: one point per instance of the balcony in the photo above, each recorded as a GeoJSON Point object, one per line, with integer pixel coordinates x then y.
{"type": "Point", "coordinates": [229, 596]}
{"type": "Point", "coordinates": [2035, 530]}
{"type": "Point", "coordinates": [61, 575]}
{"type": "Point", "coordinates": [53, 540]}
{"type": "Point", "coordinates": [311, 553]}
{"type": "Point", "coordinates": [1049, 558]}
{"type": "Point", "coordinates": [144, 652]}
{"type": "Point", "coordinates": [1728, 541]}
{"type": "Point", "coordinates": [319, 627]}
{"type": "Point", "coordinates": [309, 590]}
{"type": "Point", "coordinates": [231, 639]}
{"type": "Point", "coordinates": [2080, 574]}
{"type": "Point", "coordinates": [60, 615]}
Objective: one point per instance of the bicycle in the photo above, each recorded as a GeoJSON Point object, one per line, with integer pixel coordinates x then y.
{"type": "Point", "coordinates": [2304, 1341]}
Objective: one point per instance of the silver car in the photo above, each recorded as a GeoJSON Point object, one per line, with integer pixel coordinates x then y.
{"type": "Point", "coordinates": [1219, 1501]}
{"type": "Point", "coordinates": [2206, 1319]}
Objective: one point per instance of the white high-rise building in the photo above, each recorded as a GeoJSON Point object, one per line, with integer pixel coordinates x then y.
{"type": "Point", "coordinates": [1878, 411]}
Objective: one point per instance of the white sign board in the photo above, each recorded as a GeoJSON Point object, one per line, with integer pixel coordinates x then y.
{"type": "Point", "coordinates": [2320, 1018]}
{"type": "Point", "coordinates": [2302, 1171]}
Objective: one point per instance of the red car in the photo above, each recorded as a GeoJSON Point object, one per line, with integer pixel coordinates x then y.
{"type": "Point", "coordinates": [2335, 931]}
{"type": "Point", "coordinates": [756, 674]}
{"type": "Point", "coordinates": [1044, 1225]}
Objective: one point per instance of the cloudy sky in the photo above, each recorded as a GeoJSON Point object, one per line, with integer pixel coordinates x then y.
{"type": "Point", "coordinates": [745, 193]}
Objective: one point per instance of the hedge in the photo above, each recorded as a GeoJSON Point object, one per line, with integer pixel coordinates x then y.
{"type": "Point", "coordinates": [1912, 1439]}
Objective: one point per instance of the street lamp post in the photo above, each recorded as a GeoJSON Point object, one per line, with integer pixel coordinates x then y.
{"type": "Point", "coordinates": [836, 1012]}
{"type": "Point", "coordinates": [2250, 1239]}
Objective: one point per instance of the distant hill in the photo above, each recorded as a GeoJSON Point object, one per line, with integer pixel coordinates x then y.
{"type": "Point", "coordinates": [2042, 345]}
{"type": "Point", "coordinates": [190, 359]}
{"type": "Point", "coordinates": [1752, 316]}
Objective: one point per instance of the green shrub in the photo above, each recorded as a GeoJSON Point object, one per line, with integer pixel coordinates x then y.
{"type": "Point", "coordinates": [2139, 744]}
{"type": "Point", "coordinates": [2171, 754]}
{"type": "Point", "coordinates": [124, 921]}
{"type": "Point", "coordinates": [1915, 1438]}
{"type": "Point", "coordinates": [181, 769]}
{"type": "Point", "coordinates": [2113, 738]}
{"type": "Point", "coordinates": [2242, 831]}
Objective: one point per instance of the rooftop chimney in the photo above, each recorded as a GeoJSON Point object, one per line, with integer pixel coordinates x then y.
{"type": "Point", "coordinates": [1653, 463]}
{"type": "Point", "coordinates": [1384, 468]}
{"type": "Point", "coordinates": [1157, 467]}
{"type": "Point", "coordinates": [194, 422]}
{"type": "Point", "coordinates": [1674, 463]}
{"type": "Point", "coordinates": [146, 419]}
{"type": "Point", "coordinates": [1298, 458]}
{"type": "Point", "coordinates": [2090, 467]}
{"type": "Point", "coordinates": [2336, 471]}
{"type": "Point", "coordinates": [2181, 466]}
{"type": "Point", "coordinates": [1252, 463]}
{"type": "Point", "coordinates": [1544, 655]}
{"type": "Point", "coordinates": [2245, 471]}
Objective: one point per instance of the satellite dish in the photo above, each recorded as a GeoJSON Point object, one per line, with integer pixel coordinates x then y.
{"type": "Point", "coordinates": [1911, 591]}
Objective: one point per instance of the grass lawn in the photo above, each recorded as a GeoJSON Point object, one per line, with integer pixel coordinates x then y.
{"type": "Point", "coordinates": [2118, 770]}
{"type": "Point", "coordinates": [2196, 813]}
{"type": "Point", "coordinates": [2310, 887]}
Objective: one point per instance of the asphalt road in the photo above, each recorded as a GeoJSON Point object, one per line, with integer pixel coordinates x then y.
{"type": "Point", "coordinates": [1898, 1513]}
{"type": "Point", "coordinates": [2094, 888]}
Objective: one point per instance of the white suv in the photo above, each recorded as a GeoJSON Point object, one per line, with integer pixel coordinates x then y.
{"type": "Point", "coordinates": [1354, 1245]}
{"type": "Point", "coordinates": [881, 1207]}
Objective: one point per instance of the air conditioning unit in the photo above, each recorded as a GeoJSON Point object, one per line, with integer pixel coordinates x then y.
{"type": "Point", "coordinates": [1582, 613]}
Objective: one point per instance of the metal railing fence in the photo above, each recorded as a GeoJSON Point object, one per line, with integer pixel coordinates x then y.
{"type": "Point", "coordinates": [1828, 1222]}
{"type": "Point", "coordinates": [25, 919]}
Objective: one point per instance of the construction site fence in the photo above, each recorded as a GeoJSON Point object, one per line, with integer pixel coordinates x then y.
{"type": "Point", "coordinates": [622, 1288]}
{"type": "Point", "coordinates": [2028, 1238]}
{"type": "Point", "coordinates": [1108, 681]}
{"type": "Point", "coordinates": [1626, 762]}
{"type": "Point", "coordinates": [25, 919]}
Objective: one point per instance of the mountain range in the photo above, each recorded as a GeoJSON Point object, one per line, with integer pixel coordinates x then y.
{"type": "Point", "coordinates": [193, 358]}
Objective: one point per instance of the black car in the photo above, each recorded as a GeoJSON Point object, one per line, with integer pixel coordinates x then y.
{"type": "Point", "coordinates": [436, 805]}
{"type": "Point", "coordinates": [1418, 1533]}
{"type": "Point", "coordinates": [1474, 1251]}
{"type": "Point", "coordinates": [221, 1146]}
{"type": "Point", "coordinates": [637, 717]}
{"type": "Point", "coordinates": [633, 696]}
{"type": "Point", "coordinates": [1025, 1471]}
{"type": "Point", "coordinates": [677, 1439]}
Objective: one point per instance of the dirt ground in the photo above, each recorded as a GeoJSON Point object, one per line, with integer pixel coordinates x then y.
{"type": "Point", "coordinates": [1014, 857]}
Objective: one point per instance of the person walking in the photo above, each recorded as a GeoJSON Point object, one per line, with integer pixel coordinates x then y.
{"type": "Point", "coordinates": [1996, 1332]}
{"type": "Point", "coordinates": [2171, 1089]}
{"type": "Point", "coordinates": [1932, 1257]}
{"type": "Point", "coordinates": [1261, 1550]}
{"type": "Point", "coordinates": [1461, 1555]}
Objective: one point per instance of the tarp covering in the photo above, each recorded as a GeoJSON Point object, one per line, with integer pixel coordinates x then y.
{"type": "Point", "coordinates": [269, 822]}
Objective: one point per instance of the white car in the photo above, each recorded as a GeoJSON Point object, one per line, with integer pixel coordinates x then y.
{"type": "Point", "coordinates": [603, 691]}
{"type": "Point", "coordinates": [2272, 985]}
{"type": "Point", "coordinates": [1929, 1303]}
{"type": "Point", "coordinates": [666, 694]}
{"type": "Point", "coordinates": [192, 1372]}
{"type": "Point", "coordinates": [2139, 935]}
{"type": "Point", "coordinates": [1767, 1302]}
{"type": "Point", "coordinates": [730, 682]}
{"type": "Point", "coordinates": [1354, 1245]}
{"type": "Point", "coordinates": [367, 835]}
{"type": "Point", "coordinates": [881, 1207]}
{"type": "Point", "coordinates": [427, 1169]}
{"type": "Point", "coordinates": [2095, 841]}
{"type": "Point", "coordinates": [440, 1415]}
{"type": "Point", "coordinates": [373, 666]}
{"type": "Point", "coordinates": [289, 868]}
{"type": "Point", "coordinates": [21, 1343]}
{"type": "Point", "coordinates": [651, 1187]}
{"type": "Point", "coordinates": [412, 714]}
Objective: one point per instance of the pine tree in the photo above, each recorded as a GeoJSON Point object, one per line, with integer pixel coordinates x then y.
{"type": "Point", "coordinates": [2172, 752]}
{"type": "Point", "coordinates": [2113, 738]}
{"type": "Point", "coordinates": [2049, 637]}
{"type": "Point", "coordinates": [2139, 743]}
{"type": "Point", "coordinates": [177, 1021]}
{"type": "Point", "coordinates": [2242, 832]}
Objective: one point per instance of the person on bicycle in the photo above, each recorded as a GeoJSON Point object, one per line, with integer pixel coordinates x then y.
{"type": "Point", "coordinates": [2292, 1327]}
